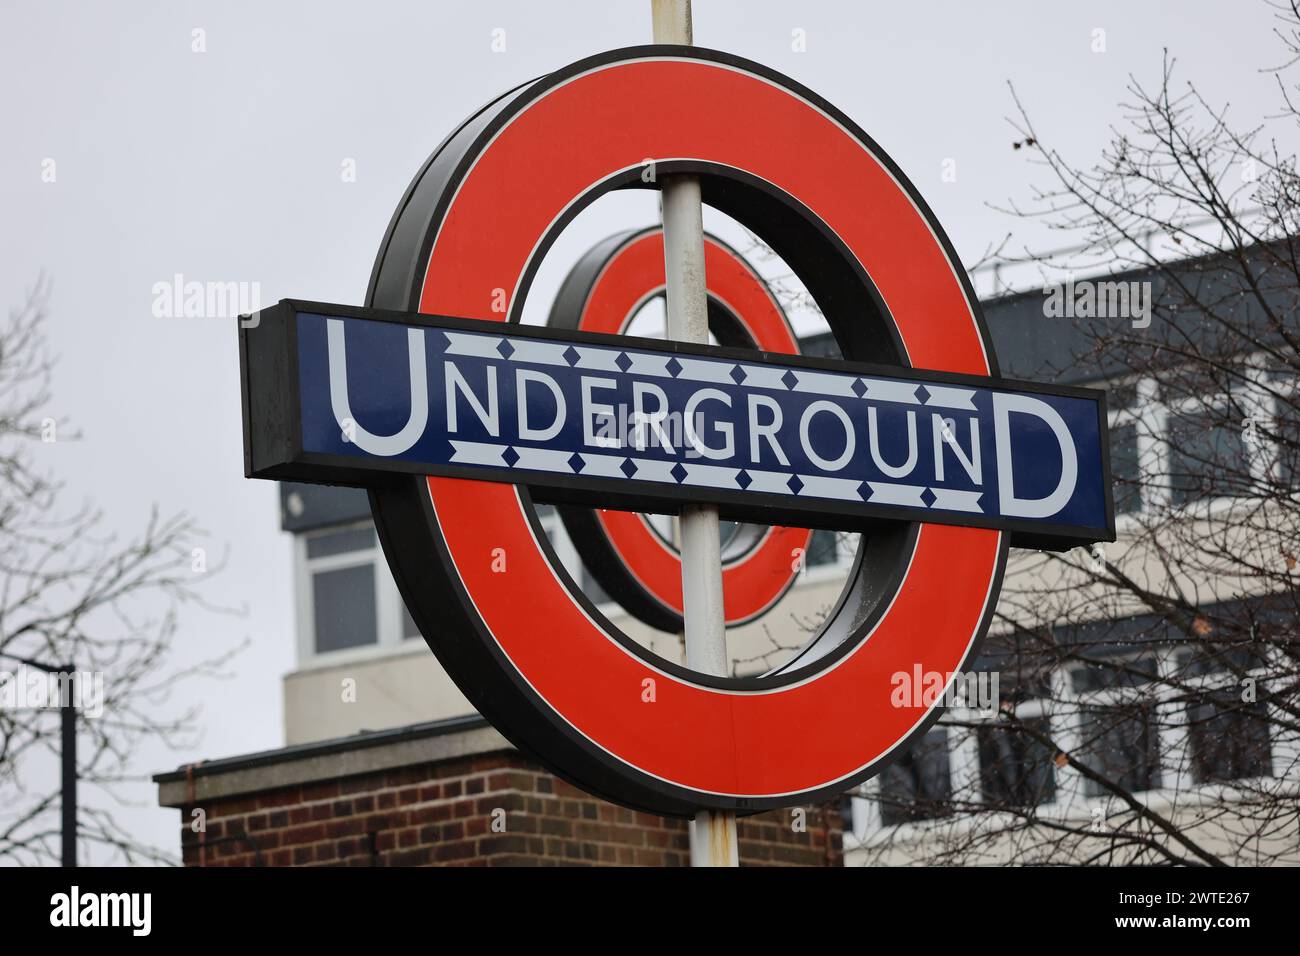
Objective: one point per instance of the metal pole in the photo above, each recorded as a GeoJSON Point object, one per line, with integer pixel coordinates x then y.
{"type": "Point", "coordinates": [713, 834]}
{"type": "Point", "coordinates": [68, 755]}
{"type": "Point", "coordinates": [68, 715]}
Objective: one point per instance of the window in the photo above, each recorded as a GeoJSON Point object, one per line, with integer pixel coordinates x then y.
{"type": "Point", "coordinates": [1270, 426]}
{"type": "Point", "coordinates": [1124, 468]}
{"type": "Point", "coordinates": [918, 786]}
{"type": "Point", "coordinates": [1286, 430]}
{"type": "Point", "coordinates": [1207, 455]}
{"type": "Point", "coordinates": [829, 550]}
{"type": "Point", "coordinates": [347, 599]}
{"type": "Point", "coordinates": [1118, 735]}
{"type": "Point", "coordinates": [1015, 768]}
{"type": "Point", "coordinates": [823, 549]}
{"type": "Point", "coordinates": [1229, 738]}
{"type": "Point", "coordinates": [340, 570]}
{"type": "Point", "coordinates": [1212, 657]}
{"type": "Point", "coordinates": [343, 608]}
{"type": "Point", "coordinates": [1113, 672]}
{"type": "Point", "coordinates": [1120, 742]}
{"type": "Point", "coordinates": [1134, 421]}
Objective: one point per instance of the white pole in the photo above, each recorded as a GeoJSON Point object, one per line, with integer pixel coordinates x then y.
{"type": "Point", "coordinates": [713, 834]}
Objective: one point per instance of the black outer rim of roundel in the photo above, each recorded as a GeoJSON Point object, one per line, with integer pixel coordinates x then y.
{"type": "Point", "coordinates": [602, 559]}
{"type": "Point", "coordinates": [403, 512]}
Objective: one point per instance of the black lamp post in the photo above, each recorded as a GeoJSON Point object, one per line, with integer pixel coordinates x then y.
{"type": "Point", "coordinates": [68, 755]}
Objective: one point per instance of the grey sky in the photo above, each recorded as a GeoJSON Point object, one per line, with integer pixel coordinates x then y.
{"type": "Point", "coordinates": [225, 165]}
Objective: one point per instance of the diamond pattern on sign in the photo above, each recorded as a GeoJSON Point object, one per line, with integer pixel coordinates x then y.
{"type": "Point", "coordinates": [576, 462]}
{"type": "Point", "coordinates": [628, 467]}
{"type": "Point", "coordinates": [506, 349]}
{"type": "Point", "coordinates": [510, 456]}
{"type": "Point", "coordinates": [790, 379]}
{"type": "Point", "coordinates": [571, 355]}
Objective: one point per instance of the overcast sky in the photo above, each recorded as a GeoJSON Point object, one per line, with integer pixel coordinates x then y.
{"type": "Point", "coordinates": [226, 165]}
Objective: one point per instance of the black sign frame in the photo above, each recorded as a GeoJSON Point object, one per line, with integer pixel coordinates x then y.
{"type": "Point", "coordinates": [273, 447]}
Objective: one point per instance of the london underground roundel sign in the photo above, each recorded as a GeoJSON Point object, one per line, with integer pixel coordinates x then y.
{"type": "Point", "coordinates": [457, 419]}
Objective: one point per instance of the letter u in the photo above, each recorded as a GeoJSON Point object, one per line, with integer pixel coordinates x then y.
{"type": "Point", "coordinates": [893, 471]}
{"type": "Point", "coordinates": [383, 445]}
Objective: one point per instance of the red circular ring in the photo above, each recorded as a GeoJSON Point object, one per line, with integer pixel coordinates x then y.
{"type": "Point", "coordinates": [565, 137]}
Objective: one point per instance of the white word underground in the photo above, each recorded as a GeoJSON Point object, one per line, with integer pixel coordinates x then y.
{"type": "Point", "coordinates": [769, 438]}
{"type": "Point", "coordinates": [1090, 299]}
{"type": "Point", "coordinates": [32, 689]}
{"type": "Point", "coordinates": [179, 299]}
{"type": "Point", "coordinates": [103, 909]}
{"type": "Point", "coordinates": [977, 691]}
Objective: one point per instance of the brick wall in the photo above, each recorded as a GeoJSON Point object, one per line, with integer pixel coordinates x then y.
{"type": "Point", "coordinates": [494, 809]}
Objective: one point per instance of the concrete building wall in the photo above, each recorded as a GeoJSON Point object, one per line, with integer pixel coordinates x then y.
{"type": "Point", "coordinates": [407, 685]}
{"type": "Point", "coordinates": [369, 693]}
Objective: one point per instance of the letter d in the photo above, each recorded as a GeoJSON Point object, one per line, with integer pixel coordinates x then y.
{"type": "Point", "coordinates": [1003, 405]}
